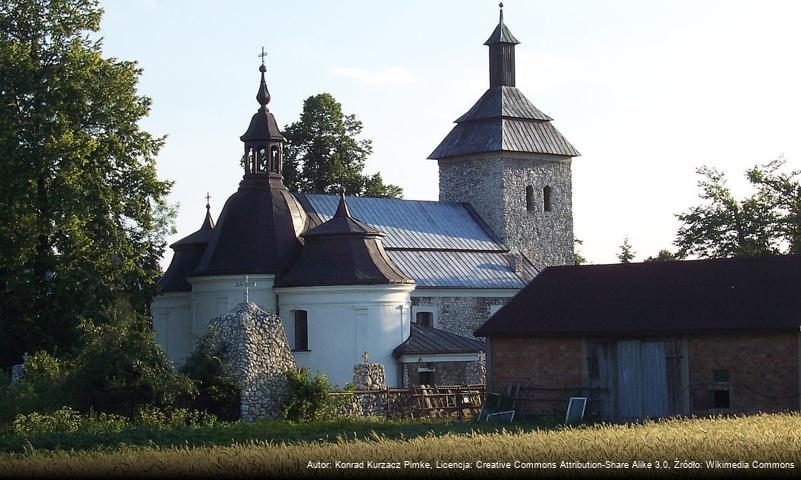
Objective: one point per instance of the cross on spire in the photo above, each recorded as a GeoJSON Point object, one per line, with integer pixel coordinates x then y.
{"type": "Point", "coordinates": [208, 197]}
{"type": "Point", "coordinates": [246, 284]}
{"type": "Point", "coordinates": [365, 356]}
{"type": "Point", "coordinates": [263, 55]}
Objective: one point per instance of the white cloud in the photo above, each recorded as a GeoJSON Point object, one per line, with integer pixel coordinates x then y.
{"type": "Point", "coordinates": [381, 76]}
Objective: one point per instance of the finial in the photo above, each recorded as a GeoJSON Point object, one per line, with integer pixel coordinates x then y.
{"type": "Point", "coordinates": [365, 357]}
{"type": "Point", "coordinates": [246, 284]}
{"type": "Point", "coordinates": [263, 97]}
{"type": "Point", "coordinates": [208, 197]}
{"type": "Point", "coordinates": [500, 5]}
{"type": "Point", "coordinates": [342, 208]}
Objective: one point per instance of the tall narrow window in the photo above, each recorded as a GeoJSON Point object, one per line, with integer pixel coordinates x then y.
{"type": "Point", "coordinates": [530, 198]}
{"type": "Point", "coordinates": [546, 199]}
{"type": "Point", "coordinates": [301, 331]}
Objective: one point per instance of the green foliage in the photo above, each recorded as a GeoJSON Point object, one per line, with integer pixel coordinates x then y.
{"type": "Point", "coordinates": [310, 396]}
{"type": "Point", "coordinates": [121, 368]}
{"type": "Point", "coordinates": [68, 420]}
{"type": "Point", "coordinates": [156, 418]}
{"type": "Point", "coordinates": [39, 390]}
{"type": "Point", "coordinates": [217, 392]}
{"type": "Point", "coordinates": [626, 253]}
{"type": "Point", "coordinates": [325, 154]}
{"type": "Point", "coordinates": [664, 255]}
{"type": "Point", "coordinates": [83, 212]}
{"type": "Point", "coordinates": [578, 258]}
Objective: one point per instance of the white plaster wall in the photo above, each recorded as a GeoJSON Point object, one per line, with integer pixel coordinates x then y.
{"type": "Point", "coordinates": [216, 295]}
{"type": "Point", "coordinates": [345, 321]}
{"type": "Point", "coordinates": [172, 323]}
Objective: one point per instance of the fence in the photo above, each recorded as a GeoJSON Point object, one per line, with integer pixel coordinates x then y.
{"type": "Point", "coordinates": [461, 402]}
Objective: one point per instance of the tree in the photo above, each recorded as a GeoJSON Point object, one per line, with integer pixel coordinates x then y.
{"type": "Point", "coordinates": [627, 253]}
{"type": "Point", "coordinates": [83, 213]}
{"type": "Point", "coordinates": [578, 258]}
{"type": "Point", "coordinates": [766, 222]}
{"type": "Point", "coordinates": [325, 154]}
{"type": "Point", "coordinates": [664, 255]}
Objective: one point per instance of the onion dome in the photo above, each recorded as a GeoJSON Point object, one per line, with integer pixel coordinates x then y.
{"type": "Point", "coordinates": [188, 252]}
{"type": "Point", "coordinates": [258, 228]}
{"type": "Point", "coordinates": [343, 251]}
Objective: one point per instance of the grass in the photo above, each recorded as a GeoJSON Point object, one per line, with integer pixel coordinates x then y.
{"type": "Point", "coordinates": [762, 438]}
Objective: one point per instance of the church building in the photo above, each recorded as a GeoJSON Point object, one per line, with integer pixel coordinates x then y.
{"type": "Point", "coordinates": [407, 281]}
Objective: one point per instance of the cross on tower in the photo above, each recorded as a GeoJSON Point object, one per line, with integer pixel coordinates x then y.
{"type": "Point", "coordinates": [208, 197]}
{"type": "Point", "coordinates": [365, 356]}
{"type": "Point", "coordinates": [246, 284]}
{"type": "Point", "coordinates": [263, 55]}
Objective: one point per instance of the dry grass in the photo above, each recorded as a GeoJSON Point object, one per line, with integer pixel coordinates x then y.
{"type": "Point", "coordinates": [766, 438]}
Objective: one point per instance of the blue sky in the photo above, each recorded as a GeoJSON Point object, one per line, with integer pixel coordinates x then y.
{"type": "Point", "coordinates": [647, 91]}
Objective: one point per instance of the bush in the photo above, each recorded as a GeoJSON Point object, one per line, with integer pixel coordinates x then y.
{"type": "Point", "coordinates": [310, 397]}
{"type": "Point", "coordinates": [66, 419]}
{"type": "Point", "coordinates": [121, 369]}
{"type": "Point", "coordinates": [153, 417]}
{"type": "Point", "coordinates": [208, 368]}
{"type": "Point", "coordinates": [41, 388]}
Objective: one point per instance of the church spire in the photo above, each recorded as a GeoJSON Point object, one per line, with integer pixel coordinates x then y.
{"type": "Point", "coordinates": [501, 54]}
{"type": "Point", "coordinates": [263, 141]}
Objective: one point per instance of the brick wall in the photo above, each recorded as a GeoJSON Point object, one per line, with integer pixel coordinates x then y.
{"type": "Point", "coordinates": [763, 370]}
{"type": "Point", "coordinates": [535, 362]}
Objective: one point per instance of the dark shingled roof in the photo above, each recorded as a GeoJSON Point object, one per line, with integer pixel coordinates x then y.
{"type": "Point", "coordinates": [342, 251]}
{"type": "Point", "coordinates": [656, 298]}
{"type": "Point", "coordinates": [503, 119]}
{"type": "Point", "coordinates": [433, 341]}
{"type": "Point", "coordinates": [257, 230]}
{"type": "Point", "coordinates": [188, 252]}
{"type": "Point", "coordinates": [501, 34]}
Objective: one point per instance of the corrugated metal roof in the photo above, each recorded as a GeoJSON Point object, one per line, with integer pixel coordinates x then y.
{"type": "Point", "coordinates": [433, 341]}
{"type": "Point", "coordinates": [412, 224]}
{"type": "Point", "coordinates": [437, 269]}
{"type": "Point", "coordinates": [503, 101]}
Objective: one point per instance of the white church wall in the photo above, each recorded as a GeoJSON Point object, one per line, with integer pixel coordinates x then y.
{"type": "Point", "coordinates": [216, 295]}
{"type": "Point", "coordinates": [345, 321]}
{"type": "Point", "coordinates": [172, 323]}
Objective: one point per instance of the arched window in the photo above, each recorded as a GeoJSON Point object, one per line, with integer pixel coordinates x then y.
{"type": "Point", "coordinates": [546, 199]}
{"type": "Point", "coordinates": [529, 198]}
{"type": "Point", "coordinates": [274, 163]}
{"type": "Point", "coordinates": [301, 331]}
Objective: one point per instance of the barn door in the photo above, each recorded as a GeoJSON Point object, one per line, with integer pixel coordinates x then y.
{"type": "Point", "coordinates": [641, 379]}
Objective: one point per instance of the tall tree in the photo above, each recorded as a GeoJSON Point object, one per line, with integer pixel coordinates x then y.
{"type": "Point", "coordinates": [83, 213]}
{"type": "Point", "coordinates": [664, 255]}
{"type": "Point", "coordinates": [626, 253]}
{"type": "Point", "coordinates": [723, 226]}
{"type": "Point", "coordinates": [325, 154]}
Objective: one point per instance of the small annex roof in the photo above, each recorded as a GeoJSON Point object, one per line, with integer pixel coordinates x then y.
{"type": "Point", "coordinates": [188, 252]}
{"type": "Point", "coordinates": [342, 251]}
{"type": "Point", "coordinates": [438, 244]}
{"type": "Point", "coordinates": [433, 341]}
{"type": "Point", "coordinates": [656, 298]}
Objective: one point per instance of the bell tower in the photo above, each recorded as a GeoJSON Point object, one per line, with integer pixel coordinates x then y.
{"type": "Point", "coordinates": [264, 144]}
{"type": "Point", "coordinates": [506, 159]}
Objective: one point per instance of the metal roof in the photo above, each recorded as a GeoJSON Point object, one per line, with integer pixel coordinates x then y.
{"type": "Point", "coordinates": [411, 224]}
{"type": "Point", "coordinates": [501, 34]}
{"type": "Point", "coordinates": [438, 269]}
{"type": "Point", "coordinates": [433, 341]}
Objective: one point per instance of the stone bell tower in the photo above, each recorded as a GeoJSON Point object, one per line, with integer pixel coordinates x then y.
{"type": "Point", "coordinates": [506, 159]}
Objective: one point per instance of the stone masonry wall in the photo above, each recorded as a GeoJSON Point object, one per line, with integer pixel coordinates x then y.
{"type": "Point", "coordinates": [461, 315]}
{"type": "Point", "coordinates": [496, 188]}
{"type": "Point", "coordinates": [763, 371]}
{"type": "Point", "coordinates": [259, 355]}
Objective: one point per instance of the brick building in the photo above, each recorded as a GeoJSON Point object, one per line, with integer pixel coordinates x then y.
{"type": "Point", "coordinates": [653, 339]}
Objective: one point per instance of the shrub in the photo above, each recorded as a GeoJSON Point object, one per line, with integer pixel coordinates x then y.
{"type": "Point", "coordinates": [66, 419]}
{"type": "Point", "coordinates": [154, 417]}
{"type": "Point", "coordinates": [121, 368]}
{"type": "Point", "coordinates": [309, 396]}
{"type": "Point", "coordinates": [209, 369]}
{"type": "Point", "coordinates": [41, 388]}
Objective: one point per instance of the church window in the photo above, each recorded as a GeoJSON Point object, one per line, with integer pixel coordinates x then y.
{"type": "Point", "coordinates": [424, 319]}
{"type": "Point", "coordinates": [301, 331]}
{"type": "Point", "coordinates": [546, 199]}
{"type": "Point", "coordinates": [530, 198]}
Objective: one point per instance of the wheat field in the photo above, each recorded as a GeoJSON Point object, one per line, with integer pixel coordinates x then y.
{"type": "Point", "coordinates": [756, 442]}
